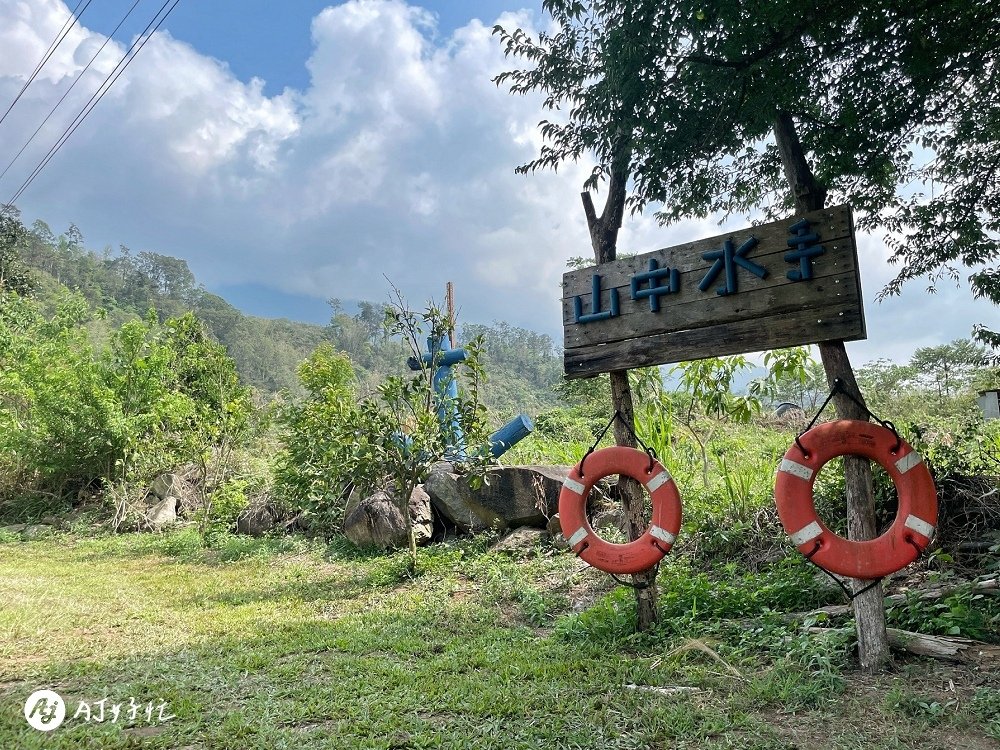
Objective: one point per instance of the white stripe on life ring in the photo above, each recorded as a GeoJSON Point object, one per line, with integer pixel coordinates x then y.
{"type": "Point", "coordinates": [919, 525]}
{"type": "Point", "coordinates": [662, 534]}
{"type": "Point", "coordinates": [658, 481]}
{"type": "Point", "coordinates": [908, 461]}
{"type": "Point", "coordinates": [574, 486]}
{"type": "Point", "coordinates": [795, 469]}
{"type": "Point", "coordinates": [806, 534]}
{"type": "Point", "coordinates": [578, 536]}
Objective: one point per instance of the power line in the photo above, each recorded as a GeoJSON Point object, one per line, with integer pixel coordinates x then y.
{"type": "Point", "coordinates": [112, 77]}
{"type": "Point", "coordinates": [67, 92]}
{"type": "Point", "coordinates": [60, 36]}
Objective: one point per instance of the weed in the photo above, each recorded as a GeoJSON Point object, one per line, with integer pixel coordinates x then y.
{"type": "Point", "coordinates": [964, 612]}
{"type": "Point", "coordinates": [918, 707]}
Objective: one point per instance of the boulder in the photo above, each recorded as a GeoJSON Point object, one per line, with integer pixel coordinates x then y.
{"type": "Point", "coordinates": [522, 495]}
{"type": "Point", "coordinates": [421, 515]}
{"type": "Point", "coordinates": [160, 513]}
{"type": "Point", "coordinates": [610, 519]}
{"type": "Point", "coordinates": [177, 487]}
{"type": "Point", "coordinates": [36, 531]}
{"type": "Point", "coordinates": [556, 538]}
{"type": "Point", "coordinates": [377, 521]}
{"type": "Point", "coordinates": [452, 498]}
{"type": "Point", "coordinates": [255, 520]}
{"type": "Point", "coordinates": [510, 496]}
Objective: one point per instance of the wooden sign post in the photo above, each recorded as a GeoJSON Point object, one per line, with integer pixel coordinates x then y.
{"type": "Point", "coordinates": [786, 283]}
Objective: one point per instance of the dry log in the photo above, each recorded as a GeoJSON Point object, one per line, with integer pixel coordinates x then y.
{"type": "Point", "coordinates": [986, 586]}
{"type": "Point", "coordinates": [935, 646]}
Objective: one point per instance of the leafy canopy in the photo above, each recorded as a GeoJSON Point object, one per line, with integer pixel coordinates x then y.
{"type": "Point", "coordinates": [895, 104]}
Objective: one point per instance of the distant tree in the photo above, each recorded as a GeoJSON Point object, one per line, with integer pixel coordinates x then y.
{"type": "Point", "coordinates": [948, 367]}
{"type": "Point", "coordinates": [14, 274]}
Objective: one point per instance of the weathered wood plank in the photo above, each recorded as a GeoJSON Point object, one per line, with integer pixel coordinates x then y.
{"type": "Point", "coordinates": [833, 226]}
{"type": "Point", "coordinates": [694, 311]}
{"type": "Point", "coordinates": [775, 311]}
{"type": "Point", "coordinates": [837, 321]}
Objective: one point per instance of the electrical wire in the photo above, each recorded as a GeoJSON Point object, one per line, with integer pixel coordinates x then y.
{"type": "Point", "coordinates": [112, 77]}
{"type": "Point", "coordinates": [60, 36]}
{"type": "Point", "coordinates": [70, 89]}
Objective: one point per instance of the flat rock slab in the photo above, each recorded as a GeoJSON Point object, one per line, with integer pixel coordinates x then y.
{"type": "Point", "coordinates": [510, 496]}
{"type": "Point", "coordinates": [523, 495]}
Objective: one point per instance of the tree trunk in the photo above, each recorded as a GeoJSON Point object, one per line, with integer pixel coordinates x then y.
{"type": "Point", "coordinates": [869, 608]}
{"type": "Point", "coordinates": [604, 238]}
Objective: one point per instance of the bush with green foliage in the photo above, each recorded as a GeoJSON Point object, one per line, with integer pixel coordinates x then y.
{"type": "Point", "coordinates": [338, 443]}
{"type": "Point", "coordinates": [74, 419]}
{"type": "Point", "coordinates": [315, 470]}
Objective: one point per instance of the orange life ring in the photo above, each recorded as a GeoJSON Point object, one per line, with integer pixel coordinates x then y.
{"type": "Point", "coordinates": [636, 556]}
{"type": "Point", "coordinates": [916, 516]}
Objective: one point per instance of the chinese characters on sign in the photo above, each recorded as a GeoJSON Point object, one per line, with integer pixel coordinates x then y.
{"type": "Point", "coordinates": [785, 283]}
{"type": "Point", "coordinates": [725, 260]}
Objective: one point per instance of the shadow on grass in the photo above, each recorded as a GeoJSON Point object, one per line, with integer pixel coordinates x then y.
{"type": "Point", "coordinates": [361, 683]}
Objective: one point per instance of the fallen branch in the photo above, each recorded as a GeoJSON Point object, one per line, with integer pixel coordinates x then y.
{"type": "Point", "coordinates": [987, 585]}
{"type": "Point", "coordinates": [935, 646]}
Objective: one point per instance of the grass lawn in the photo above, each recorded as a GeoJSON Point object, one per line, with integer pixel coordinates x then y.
{"type": "Point", "coordinates": [287, 643]}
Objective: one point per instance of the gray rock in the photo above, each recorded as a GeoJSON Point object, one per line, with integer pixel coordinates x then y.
{"type": "Point", "coordinates": [175, 486]}
{"type": "Point", "coordinates": [36, 531]}
{"type": "Point", "coordinates": [377, 521]}
{"type": "Point", "coordinates": [255, 520]}
{"type": "Point", "coordinates": [164, 485]}
{"type": "Point", "coordinates": [15, 529]}
{"type": "Point", "coordinates": [522, 542]}
{"type": "Point", "coordinates": [556, 538]}
{"type": "Point", "coordinates": [523, 495]}
{"type": "Point", "coordinates": [421, 515]}
{"type": "Point", "coordinates": [509, 497]}
{"type": "Point", "coordinates": [610, 519]}
{"type": "Point", "coordinates": [161, 513]}
{"type": "Point", "coordinates": [452, 498]}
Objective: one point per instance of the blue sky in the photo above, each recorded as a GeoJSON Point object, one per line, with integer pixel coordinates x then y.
{"type": "Point", "coordinates": [264, 38]}
{"type": "Point", "coordinates": [296, 151]}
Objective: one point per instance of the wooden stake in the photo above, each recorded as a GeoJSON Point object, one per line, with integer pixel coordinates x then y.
{"type": "Point", "coordinates": [449, 296]}
{"type": "Point", "coordinates": [604, 239]}
{"type": "Point", "coordinates": [869, 609]}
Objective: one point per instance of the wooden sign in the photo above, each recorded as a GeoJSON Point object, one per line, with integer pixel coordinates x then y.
{"type": "Point", "coordinates": [786, 283]}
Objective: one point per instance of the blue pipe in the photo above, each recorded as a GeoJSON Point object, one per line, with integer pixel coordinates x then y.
{"type": "Point", "coordinates": [510, 434]}
{"type": "Point", "coordinates": [445, 386]}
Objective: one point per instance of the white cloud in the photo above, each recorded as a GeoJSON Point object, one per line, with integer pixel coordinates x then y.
{"type": "Point", "coordinates": [396, 160]}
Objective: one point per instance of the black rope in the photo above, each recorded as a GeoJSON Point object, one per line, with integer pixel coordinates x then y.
{"type": "Point", "coordinates": [600, 436]}
{"type": "Point", "coordinates": [638, 586]}
{"type": "Point", "coordinates": [838, 387]}
{"type": "Point", "coordinates": [851, 596]}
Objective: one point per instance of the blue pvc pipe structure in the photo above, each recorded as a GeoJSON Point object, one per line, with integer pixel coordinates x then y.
{"type": "Point", "coordinates": [445, 386]}
{"type": "Point", "coordinates": [510, 434]}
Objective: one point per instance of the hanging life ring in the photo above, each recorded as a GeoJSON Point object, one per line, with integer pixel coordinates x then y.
{"type": "Point", "coordinates": [916, 517]}
{"type": "Point", "coordinates": [636, 556]}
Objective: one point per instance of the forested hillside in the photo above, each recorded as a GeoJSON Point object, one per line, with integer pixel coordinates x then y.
{"type": "Point", "coordinates": [119, 285]}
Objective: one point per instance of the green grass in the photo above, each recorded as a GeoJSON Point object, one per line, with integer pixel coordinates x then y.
{"type": "Point", "coordinates": [288, 643]}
